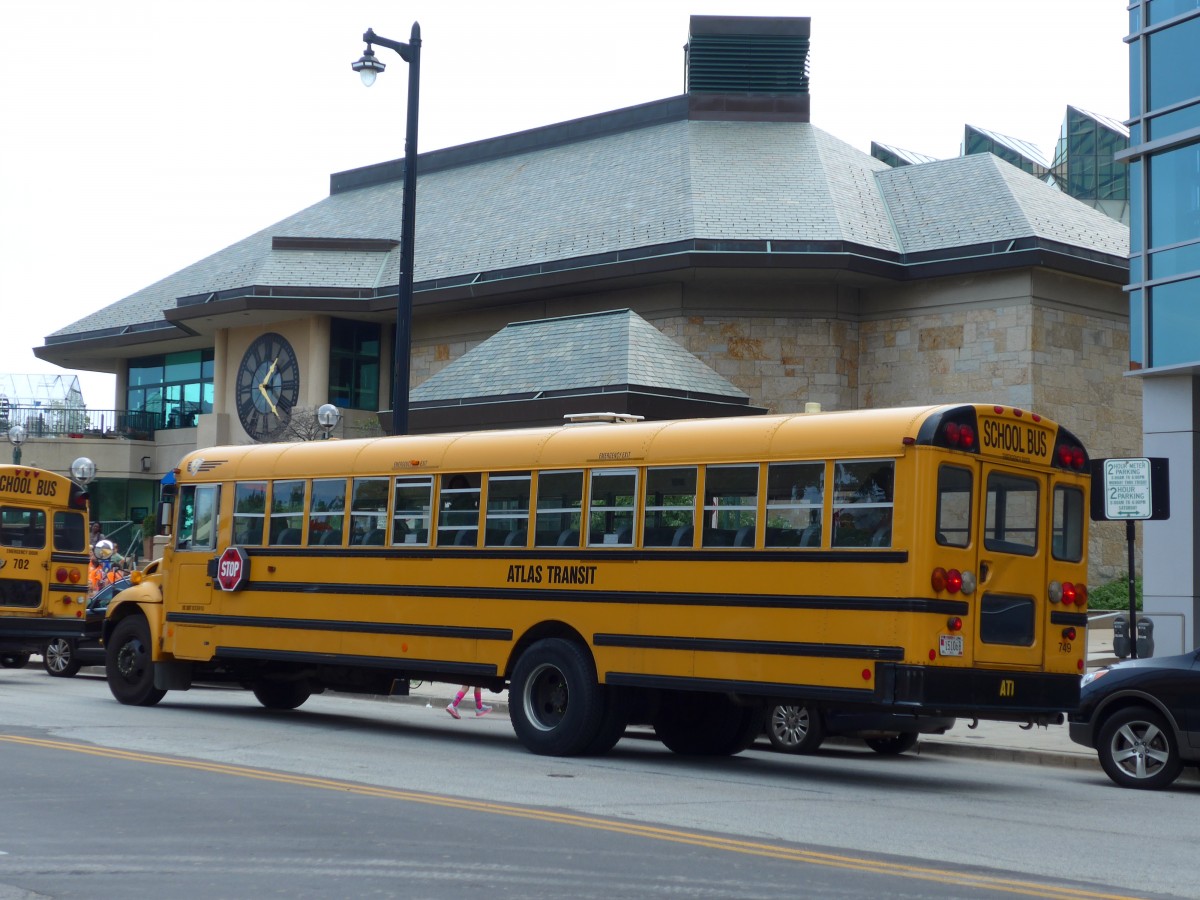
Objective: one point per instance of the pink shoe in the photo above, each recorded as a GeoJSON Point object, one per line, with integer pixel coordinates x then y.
{"type": "Point", "coordinates": [453, 711]}
{"type": "Point", "coordinates": [482, 711]}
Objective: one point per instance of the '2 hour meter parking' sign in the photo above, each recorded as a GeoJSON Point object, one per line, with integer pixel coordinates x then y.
{"type": "Point", "coordinates": [233, 568]}
{"type": "Point", "coordinates": [1130, 488]}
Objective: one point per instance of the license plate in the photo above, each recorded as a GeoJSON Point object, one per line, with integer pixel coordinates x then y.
{"type": "Point", "coordinates": [950, 644]}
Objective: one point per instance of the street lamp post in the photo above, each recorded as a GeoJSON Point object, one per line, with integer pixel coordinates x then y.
{"type": "Point", "coordinates": [368, 67]}
{"type": "Point", "coordinates": [16, 434]}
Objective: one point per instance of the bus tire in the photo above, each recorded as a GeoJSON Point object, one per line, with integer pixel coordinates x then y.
{"type": "Point", "coordinates": [613, 724]}
{"type": "Point", "coordinates": [555, 703]}
{"type": "Point", "coordinates": [128, 664]}
{"type": "Point", "coordinates": [60, 659]}
{"type": "Point", "coordinates": [706, 724]}
{"type": "Point", "coordinates": [894, 744]}
{"type": "Point", "coordinates": [13, 660]}
{"type": "Point", "coordinates": [281, 694]}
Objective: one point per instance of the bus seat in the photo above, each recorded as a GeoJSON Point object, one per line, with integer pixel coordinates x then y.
{"type": "Point", "coordinates": [375, 537]}
{"type": "Point", "coordinates": [516, 538]}
{"type": "Point", "coordinates": [811, 536]}
{"type": "Point", "coordinates": [744, 537]}
{"type": "Point", "coordinates": [625, 536]}
{"type": "Point", "coordinates": [683, 536]}
{"type": "Point", "coordinates": [468, 537]}
{"type": "Point", "coordinates": [568, 538]}
{"type": "Point", "coordinates": [882, 536]}
{"type": "Point", "coordinates": [332, 537]}
{"type": "Point", "coordinates": [288, 536]}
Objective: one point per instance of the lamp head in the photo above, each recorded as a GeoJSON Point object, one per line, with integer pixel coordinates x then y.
{"type": "Point", "coordinates": [367, 67]}
{"type": "Point", "coordinates": [16, 434]}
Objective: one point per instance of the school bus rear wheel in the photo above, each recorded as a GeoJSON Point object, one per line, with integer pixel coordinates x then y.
{"type": "Point", "coordinates": [559, 707]}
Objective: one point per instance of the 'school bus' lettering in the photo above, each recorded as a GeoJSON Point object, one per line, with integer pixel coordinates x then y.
{"type": "Point", "coordinates": [43, 559]}
{"type": "Point", "coordinates": [912, 564]}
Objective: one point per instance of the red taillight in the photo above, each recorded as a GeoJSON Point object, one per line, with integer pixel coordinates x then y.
{"type": "Point", "coordinates": [962, 436]}
{"type": "Point", "coordinates": [1068, 593]}
{"type": "Point", "coordinates": [60, 574]}
{"type": "Point", "coordinates": [953, 581]}
{"type": "Point", "coordinates": [1068, 634]}
{"type": "Point", "coordinates": [954, 623]}
{"type": "Point", "coordinates": [1071, 457]}
{"type": "Point", "coordinates": [937, 580]}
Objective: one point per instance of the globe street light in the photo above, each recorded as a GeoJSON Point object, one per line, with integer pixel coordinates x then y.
{"type": "Point", "coordinates": [16, 434]}
{"type": "Point", "coordinates": [327, 417]}
{"type": "Point", "coordinates": [367, 66]}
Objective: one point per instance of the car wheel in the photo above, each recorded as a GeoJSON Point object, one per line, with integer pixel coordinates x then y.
{"type": "Point", "coordinates": [14, 660]}
{"type": "Point", "coordinates": [129, 666]}
{"type": "Point", "coordinates": [1137, 749]}
{"type": "Point", "coordinates": [60, 659]}
{"type": "Point", "coordinates": [795, 728]}
{"type": "Point", "coordinates": [893, 745]}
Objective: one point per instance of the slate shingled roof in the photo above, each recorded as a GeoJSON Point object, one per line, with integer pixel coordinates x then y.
{"type": "Point", "coordinates": [586, 352]}
{"type": "Point", "coordinates": [587, 193]}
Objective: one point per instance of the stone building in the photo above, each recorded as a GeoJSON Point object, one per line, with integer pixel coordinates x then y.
{"type": "Point", "coordinates": [794, 266]}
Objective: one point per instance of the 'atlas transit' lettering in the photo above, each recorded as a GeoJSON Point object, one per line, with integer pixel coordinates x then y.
{"type": "Point", "coordinates": [552, 574]}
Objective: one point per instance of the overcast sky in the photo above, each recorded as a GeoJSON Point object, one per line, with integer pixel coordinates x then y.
{"type": "Point", "coordinates": [139, 137]}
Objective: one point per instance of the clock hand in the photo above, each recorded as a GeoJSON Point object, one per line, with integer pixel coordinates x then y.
{"type": "Point", "coordinates": [263, 390]}
{"type": "Point", "coordinates": [270, 372]}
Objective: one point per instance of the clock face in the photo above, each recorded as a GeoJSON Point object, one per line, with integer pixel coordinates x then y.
{"type": "Point", "coordinates": [268, 386]}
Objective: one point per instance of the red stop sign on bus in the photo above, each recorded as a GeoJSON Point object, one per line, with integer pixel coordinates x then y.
{"type": "Point", "coordinates": [233, 568]}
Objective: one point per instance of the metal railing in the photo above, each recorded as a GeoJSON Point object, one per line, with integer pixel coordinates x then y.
{"type": "Point", "coordinates": [54, 421]}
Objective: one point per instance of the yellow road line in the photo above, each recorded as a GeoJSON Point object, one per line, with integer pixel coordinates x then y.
{"type": "Point", "coordinates": [695, 839]}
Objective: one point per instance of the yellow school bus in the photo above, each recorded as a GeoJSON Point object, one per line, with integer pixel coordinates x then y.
{"type": "Point", "coordinates": [907, 563]}
{"type": "Point", "coordinates": [43, 559]}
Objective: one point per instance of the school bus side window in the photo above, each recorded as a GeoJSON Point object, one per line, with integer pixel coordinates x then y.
{"type": "Point", "coordinates": [862, 502]}
{"type": "Point", "coordinates": [368, 511]}
{"type": "Point", "coordinates": [507, 523]}
{"type": "Point", "coordinates": [410, 516]}
{"type": "Point", "coordinates": [730, 506]}
{"type": "Point", "coordinates": [670, 517]}
{"type": "Point", "coordinates": [249, 512]}
{"type": "Point", "coordinates": [287, 512]}
{"type": "Point", "coordinates": [559, 502]}
{"type": "Point", "coordinates": [611, 505]}
{"type": "Point", "coordinates": [795, 500]}
{"type": "Point", "coordinates": [327, 511]}
{"type": "Point", "coordinates": [458, 513]}
{"type": "Point", "coordinates": [953, 527]}
{"type": "Point", "coordinates": [1067, 543]}
{"type": "Point", "coordinates": [198, 505]}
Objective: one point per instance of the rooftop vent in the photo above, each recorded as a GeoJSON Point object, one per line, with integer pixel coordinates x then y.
{"type": "Point", "coordinates": [741, 55]}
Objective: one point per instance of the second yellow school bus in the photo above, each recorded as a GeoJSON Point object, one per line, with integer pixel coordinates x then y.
{"type": "Point", "coordinates": [43, 559]}
{"type": "Point", "coordinates": [903, 563]}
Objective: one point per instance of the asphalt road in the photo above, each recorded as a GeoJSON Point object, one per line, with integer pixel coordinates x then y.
{"type": "Point", "coordinates": [210, 795]}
